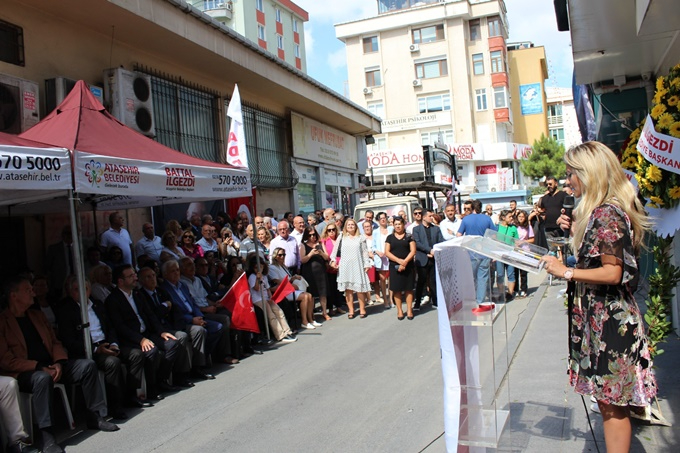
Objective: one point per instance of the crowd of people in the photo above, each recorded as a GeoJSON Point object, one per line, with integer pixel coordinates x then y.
{"type": "Point", "coordinates": [155, 317]}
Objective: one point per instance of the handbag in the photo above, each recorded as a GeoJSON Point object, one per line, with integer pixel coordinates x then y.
{"type": "Point", "coordinates": [300, 284]}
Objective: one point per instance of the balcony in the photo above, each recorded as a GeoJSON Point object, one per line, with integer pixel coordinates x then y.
{"type": "Point", "coordinates": [219, 10]}
{"type": "Point", "coordinates": [390, 6]}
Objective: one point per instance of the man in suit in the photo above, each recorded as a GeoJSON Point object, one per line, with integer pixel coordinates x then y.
{"type": "Point", "coordinates": [105, 349]}
{"type": "Point", "coordinates": [426, 235]}
{"type": "Point", "coordinates": [140, 333]}
{"type": "Point", "coordinates": [171, 321]}
{"type": "Point", "coordinates": [192, 316]}
{"type": "Point", "coordinates": [59, 262]}
{"type": "Point", "coordinates": [31, 353]}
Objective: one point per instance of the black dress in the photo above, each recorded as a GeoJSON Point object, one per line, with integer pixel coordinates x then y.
{"type": "Point", "coordinates": [405, 280]}
{"type": "Point", "coordinates": [314, 271]}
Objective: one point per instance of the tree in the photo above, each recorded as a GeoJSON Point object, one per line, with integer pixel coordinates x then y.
{"type": "Point", "coordinates": [545, 160]}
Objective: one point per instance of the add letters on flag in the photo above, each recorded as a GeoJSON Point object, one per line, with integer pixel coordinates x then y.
{"type": "Point", "coordinates": [236, 142]}
{"type": "Point", "coordinates": [283, 290]}
{"type": "Point", "coordinates": [238, 302]}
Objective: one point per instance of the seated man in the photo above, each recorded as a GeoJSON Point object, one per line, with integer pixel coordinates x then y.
{"type": "Point", "coordinates": [191, 315]}
{"type": "Point", "coordinates": [105, 348]}
{"type": "Point", "coordinates": [140, 333]}
{"type": "Point", "coordinates": [211, 310]}
{"type": "Point", "coordinates": [10, 415]}
{"type": "Point", "coordinates": [171, 321]}
{"type": "Point", "coordinates": [31, 353]}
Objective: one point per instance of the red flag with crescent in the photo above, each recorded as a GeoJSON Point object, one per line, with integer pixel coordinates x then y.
{"type": "Point", "coordinates": [238, 302]}
{"type": "Point", "coordinates": [285, 288]}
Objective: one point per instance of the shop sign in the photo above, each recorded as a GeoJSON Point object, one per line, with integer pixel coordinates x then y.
{"type": "Point", "coordinates": [321, 143]}
{"type": "Point", "coordinates": [466, 151]}
{"type": "Point", "coordinates": [416, 121]}
{"type": "Point", "coordinates": [394, 157]}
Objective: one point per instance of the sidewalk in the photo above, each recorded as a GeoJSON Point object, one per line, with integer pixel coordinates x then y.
{"type": "Point", "coordinates": [546, 414]}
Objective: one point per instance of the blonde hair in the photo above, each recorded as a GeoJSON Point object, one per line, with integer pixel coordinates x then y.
{"type": "Point", "coordinates": [603, 181]}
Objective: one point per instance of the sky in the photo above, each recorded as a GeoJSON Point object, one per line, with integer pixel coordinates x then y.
{"type": "Point", "coordinates": [529, 20]}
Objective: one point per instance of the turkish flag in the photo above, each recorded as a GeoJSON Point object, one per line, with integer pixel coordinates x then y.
{"type": "Point", "coordinates": [238, 302]}
{"type": "Point", "coordinates": [283, 290]}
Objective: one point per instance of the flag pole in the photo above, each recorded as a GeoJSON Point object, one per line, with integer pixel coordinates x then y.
{"type": "Point", "coordinates": [259, 270]}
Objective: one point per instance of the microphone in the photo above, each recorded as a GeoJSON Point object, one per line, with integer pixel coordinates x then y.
{"type": "Point", "coordinates": [568, 205]}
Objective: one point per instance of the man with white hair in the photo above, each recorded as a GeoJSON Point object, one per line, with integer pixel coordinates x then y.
{"type": "Point", "coordinates": [288, 243]}
{"type": "Point", "coordinates": [328, 217]}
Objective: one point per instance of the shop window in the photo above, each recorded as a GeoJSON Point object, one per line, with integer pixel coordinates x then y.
{"type": "Point", "coordinates": [431, 69]}
{"type": "Point", "coordinates": [11, 44]}
{"type": "Point", "coordinates": [370, 44]}
{"type": "Point", "coordinates": [478, 64]}
{"type": "Point", "coordinates": [427, 34]}
{"type": "Point", "coordinates": [434, 103]}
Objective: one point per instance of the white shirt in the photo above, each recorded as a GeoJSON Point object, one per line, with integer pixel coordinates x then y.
{"type": "Point", "coordinates": [197, 291]}
{"type": "Point", "coordinates": [131, 301]}
{"type": "Point", "coordinates": [446, 225]}
{"type": "Point", "coordinates": [264, 286]}
{"type": "Point", "coordinates": [121, 239]}
{"type": "Point", "coordinates": [297, 236]}
{"type": "Point", "coordinates": [149, 247]}
{"type": "Point", "coordinates": [208, 246]}
{"type": "Point", "coordinates": [96, 331]}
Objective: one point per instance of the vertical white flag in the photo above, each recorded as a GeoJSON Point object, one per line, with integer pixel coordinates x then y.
{"type": "Point", "coordinates": [236, 143]}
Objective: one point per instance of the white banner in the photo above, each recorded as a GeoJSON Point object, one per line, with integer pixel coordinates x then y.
{"type": "Point", "coordinates": [237, 155]}
{"type": "Point", "coordinates": [113, 176]}
{"type": "Point", "coordinates": [23, 168]}
{"type": "Point", "coordinates": [658, 148]}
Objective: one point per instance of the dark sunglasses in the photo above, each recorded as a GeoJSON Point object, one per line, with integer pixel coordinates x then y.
{"type": "Point", "coordinates": [418, 213]}
{"type": "Point", "coordinates": [281, 255]}
{"type": "Point", "coordinates": [332, 229]}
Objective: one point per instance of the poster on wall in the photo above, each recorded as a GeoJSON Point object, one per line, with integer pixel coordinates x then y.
{"type": "Point", "coordinates": [531, 100]}
{"type": "Point", "coordinates": [318, 142]}
{"type": "Point", "coordinates": [306, 197]}
{"type": "Point", "coordinates": [486, 176]}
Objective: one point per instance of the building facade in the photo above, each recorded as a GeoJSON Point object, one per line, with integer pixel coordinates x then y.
{"type": "Point", "coordinates": [274, 25]}
{"type": "Point", "coordinates": [436, 70]}
{"type": "Point", "coordinates": [187, 65]}
{"type": "Point", "coordinates": [528, 72]}
{"type": "Point", "coordinates": [561, 115]}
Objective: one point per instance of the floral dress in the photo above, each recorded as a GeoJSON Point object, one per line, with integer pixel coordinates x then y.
{"type": "Point", "coordinates": [609, 355]}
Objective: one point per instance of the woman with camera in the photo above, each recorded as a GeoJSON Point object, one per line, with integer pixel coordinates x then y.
{"type": "Point", "coordinates": [609, 355]}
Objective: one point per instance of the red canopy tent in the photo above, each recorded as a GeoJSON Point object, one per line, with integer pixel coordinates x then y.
{"type": "Point", "coordinates": [111, 159]}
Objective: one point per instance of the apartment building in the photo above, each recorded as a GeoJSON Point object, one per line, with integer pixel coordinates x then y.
{"type": "Point", "coordinates": [274, 25]}
{"type": "Point", "coordinates": [561, 116]}
{"type": "Point", "coordinates": [436, 70]}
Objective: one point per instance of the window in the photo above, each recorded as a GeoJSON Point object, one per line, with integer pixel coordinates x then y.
{"type": "Point", "coordinates": [434, 103]}
{"type": "Point", "coordinates": [478, 64]}
{"type": "Point", "coordinates": [495, 26]}
{"type": "Point", "coordinates": [278, 15]}
{"type": "Point", "coordinates": [379, 145]}
{"type": "Point", "coordinates": [373, 77]}
{"type": "Point", "coordinates": [370, 44]}
{"type": "Point", "coordinates": [428, 34]}
{"type": "Point", "coordinates": [557, 134]}
{"type": "Point", "coordinates": [260, 33]}
{"type": "Point", "coordinates": [279, 41]}
{"type": "Point", "coordinates": [555, 110]}
{"type": "Point", "coordinates": [497, 61]}
{"type": "Point", "coordinates": [500, 98]}
{"type": "Point", "coordinates": [258, 5]}
{"type": "Point", "coordinates": [186, 119]}
{"type": "Point", "coordinates": [297, 51]}
{"type": "Point", "coordinates": [267, 149]}
{"type": "Point", "coordinates": [431, 69]}
{"type": "Point", "coordinates": [430, 138]}
{"type": "Point", "coordinates": [475, 30]}
{"type": "Point", "coordinates": [377, 108]}
{"type": "Point", "coordinates": [480, 96]}
{"type": "Point", "coordinates": [295, 26]}
{"type": "Point", "coordinates": [11, 44]}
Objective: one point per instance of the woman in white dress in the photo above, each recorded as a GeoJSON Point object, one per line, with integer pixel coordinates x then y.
{"type": "Point", "coordinates": [353, 267]}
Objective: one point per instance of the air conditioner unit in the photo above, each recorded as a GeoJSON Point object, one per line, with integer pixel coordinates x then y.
{"type": "Point", "coordinates": [58, 88]}
{"type": "Point", "coordinates": [368, 90]}
{"type": "Point", "coordinates": [19, 104]}
{"type": "Point", "coordinates": [417, 82]}
{"type": "Point", "coordinates": [414, 48]}
{"type": "Point", "coordinates": [128, 94]}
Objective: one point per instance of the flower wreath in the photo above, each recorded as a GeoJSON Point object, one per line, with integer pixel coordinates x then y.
{"type": "Point", "coordinates": [661, 187]}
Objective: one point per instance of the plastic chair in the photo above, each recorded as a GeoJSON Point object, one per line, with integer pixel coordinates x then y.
{"type": "Point", "coordinates": [26, 407]}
